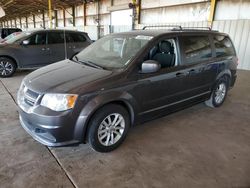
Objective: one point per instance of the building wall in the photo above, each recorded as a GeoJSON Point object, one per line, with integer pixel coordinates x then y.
{"type": "Point", "coordinates": [231, 16]}
{"type": "Point", "coordinates": [173, 14]}
{"type": "Point", "coordinates": [233, 10]}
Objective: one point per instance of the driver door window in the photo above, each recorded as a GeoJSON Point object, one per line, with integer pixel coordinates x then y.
{"type": "Point", "coordinates": [164, 53]}
{"type": "Point", "coordinates": [37, 39]}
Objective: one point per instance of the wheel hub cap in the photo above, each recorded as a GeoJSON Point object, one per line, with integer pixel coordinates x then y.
{"type": "Point", "coordinates": [220, 93]}
{"type": "Point", "coordinates": [111, 129]}
{"type": "Point", "coordinates": [5, 68]}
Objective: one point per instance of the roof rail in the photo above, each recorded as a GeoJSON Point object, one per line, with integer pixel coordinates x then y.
{"type": "Point", "coordinates": [179, 28]}
{"type": "Point", "coordinates": [155, 26]}
{"type": "Point", "coordinates": [199, 28]}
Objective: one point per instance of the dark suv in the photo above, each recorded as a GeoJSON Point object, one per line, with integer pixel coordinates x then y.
{"type": "Point", "coordinates": [124, 79]}
{"type": "Point", "coordinates": [4, 32]}
{"type": "Point", "coordinates": [33, 49]}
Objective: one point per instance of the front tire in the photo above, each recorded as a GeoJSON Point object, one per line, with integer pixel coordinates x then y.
{"type": "Point", "coordinates": [7, 67]}
{"type": "Point", "coordinates": [108, 128]}
{"type": "Point", "coordinates": [219, 93]}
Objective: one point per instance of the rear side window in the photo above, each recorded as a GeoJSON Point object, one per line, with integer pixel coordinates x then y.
{"type": "Point", "coordinates": [5, 33]}
{"type": "Point", "coordinates": [10, 31]}
{"type": "Point", "coordinates": [77, 37]}
{"type": "Point", "coordinates": [55, 37]}
{"type": "Point", "coordinates": [196, 48]}
{"type": "Point", "coordinates": [223, 46]}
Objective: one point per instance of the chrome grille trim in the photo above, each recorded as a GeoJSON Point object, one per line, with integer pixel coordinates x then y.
{"type": "Point", "coordinates": [27, 98]}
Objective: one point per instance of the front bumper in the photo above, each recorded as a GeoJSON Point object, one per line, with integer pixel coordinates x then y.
{"type": "Point", "coordinates": [49, 130]}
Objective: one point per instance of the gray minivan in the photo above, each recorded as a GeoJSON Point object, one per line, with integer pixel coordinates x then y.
{"type": "Point", "coordinates": [124, 79]}
{"type": "Point", "coordinates": [34, 49]}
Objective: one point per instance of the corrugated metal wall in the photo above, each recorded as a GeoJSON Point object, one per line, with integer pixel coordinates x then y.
{"type": "Point", "coordinates": [231, 17]}
{"type": "Point", "coordinates": [239, 33]}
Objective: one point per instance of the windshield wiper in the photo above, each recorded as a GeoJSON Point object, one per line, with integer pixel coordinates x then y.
{"type": "Point", "coordinates": [89, 63]}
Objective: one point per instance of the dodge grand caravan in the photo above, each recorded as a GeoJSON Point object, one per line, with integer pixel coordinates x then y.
{"type": "Point", "coordinates": [34, 49]}
{"type": "Point", "coordinates": [124, 79]}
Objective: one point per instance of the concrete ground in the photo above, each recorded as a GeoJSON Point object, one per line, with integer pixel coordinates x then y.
{"type": "Point", "coordinates": [195, 147]}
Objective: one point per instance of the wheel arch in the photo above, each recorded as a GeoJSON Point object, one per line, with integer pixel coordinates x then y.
{"type": "Point", "coordinates": [224, 73]}
{"type": "Point", "coordinates": [12, 58]}
{"type": "Point", "coordinates": [97, 103]}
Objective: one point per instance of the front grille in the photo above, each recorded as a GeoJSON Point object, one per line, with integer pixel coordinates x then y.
{"type": "Point", "coordinates": [27, 98]}
{"type": "Point", "coordinates": [30, 96]}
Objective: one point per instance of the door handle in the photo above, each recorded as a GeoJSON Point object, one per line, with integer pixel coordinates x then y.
{"type": "Point", "coordinates": [43, 49]}
{"type": "Point", "coordinates": [192, 71]}
{"type": "Point", "coordinates": [180, 74]}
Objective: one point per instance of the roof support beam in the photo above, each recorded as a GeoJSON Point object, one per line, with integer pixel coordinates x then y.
{"type": "Point", "coordinates": [43, 20]}
{"type": "Point", "coordinates": [34, 20]}
{"type": "Point", "coordinates": [15, 23]}
{"type": "Point", "coordinates": [212, 12]}
{"type": "Point", "coordinates": [64, 19]}
{"type": "Point", "coordinates": [20, 21]}
{"type": "Point", "coordinates": [56, 18]}
{"type": "Point", "coordinates": [98, 20]}
{"type": "Point", "coordinates": [85, 14]}
{"type": "Point", "coordinates": [74, 16]}
{"type": "Point", "coordinates": [50, 14]}
{"type": "Point", "coordinates": [26, 20]}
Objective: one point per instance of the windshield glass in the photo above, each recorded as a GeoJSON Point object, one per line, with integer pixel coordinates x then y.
{"type": "Point", "coordinates": [113, 51]}
{"type": "Point", "coordinates": [18, 38]}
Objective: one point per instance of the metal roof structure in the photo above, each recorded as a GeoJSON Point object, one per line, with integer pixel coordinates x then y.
{"type": "Point", "coordinates": [21, 8]}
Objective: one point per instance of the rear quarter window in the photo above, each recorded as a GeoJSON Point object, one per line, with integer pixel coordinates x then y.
{"type": "Point", "coordinates": [223, 46]}
{"type": "Point", "coordinates": [196, 48]}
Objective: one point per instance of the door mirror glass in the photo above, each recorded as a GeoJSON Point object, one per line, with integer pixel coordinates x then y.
{"type": "Point", "coordinates": [150, 66]}
{"type": "Point", "coordinates": [25, 42]}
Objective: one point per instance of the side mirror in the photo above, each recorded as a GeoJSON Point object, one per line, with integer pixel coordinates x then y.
{"type": "Point", "coordinates": [150, 66]}
{"type": "Point", "coordinates": [25, 42]}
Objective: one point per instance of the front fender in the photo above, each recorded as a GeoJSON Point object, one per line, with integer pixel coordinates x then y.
{"type": "Point", "coordinates": [96, 103]}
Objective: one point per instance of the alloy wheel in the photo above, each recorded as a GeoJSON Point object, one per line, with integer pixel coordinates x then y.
{"type": "Point", "coordinates": [111, 129]}
{"type": "Point", "coordinates": [220, 93]}
{"type": "Point", "coordinates": [6, 68]}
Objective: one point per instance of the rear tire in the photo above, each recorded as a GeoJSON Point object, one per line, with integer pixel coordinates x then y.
{"type": "Point", "coordinates": [218, 94]}
{"type": "Point", "coordinates": [108, 128]}
{"type": "Point", "coordinates": [7, 67]}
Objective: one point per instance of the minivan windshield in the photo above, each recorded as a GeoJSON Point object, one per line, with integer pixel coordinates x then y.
{"type": "Point", "coordinates": [18, 38]}
{"type": "Point", "coordinates": [113, 51]}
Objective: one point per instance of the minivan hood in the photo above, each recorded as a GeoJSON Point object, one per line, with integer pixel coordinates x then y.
{"type": "Point", "coordinates": [63, 76]}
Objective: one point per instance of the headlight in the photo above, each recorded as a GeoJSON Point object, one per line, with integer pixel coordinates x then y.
{"type": "Point", "coordinates": [59, 102]}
